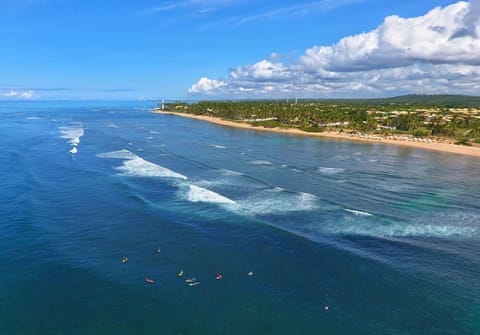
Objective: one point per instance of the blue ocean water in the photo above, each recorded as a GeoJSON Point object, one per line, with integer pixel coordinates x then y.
{"type": "Point", "coordinates": [386, 237]}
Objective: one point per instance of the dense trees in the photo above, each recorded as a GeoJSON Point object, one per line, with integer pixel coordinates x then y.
{"type": "Point", "coordinates": [417, 115]}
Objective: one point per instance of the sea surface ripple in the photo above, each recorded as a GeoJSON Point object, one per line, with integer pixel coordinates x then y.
{"type": "Point", "coordinates": [310, 236]}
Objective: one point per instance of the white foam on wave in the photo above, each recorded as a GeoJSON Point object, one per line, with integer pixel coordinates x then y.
{"type": "Point", "coordinates": [358, 213]}
{"type": "Point", "coordinates": [218, 146]}
{"type": "Point", "coordinates": [429, 230]}
{"type": "Point", "coordinates": [438, 225]}
{"type": "Point", "coordinates": [276, 201]}
{"type": "Point", "coordinates": [33, 118]}
{"type": "Point", "coordinates": [200, 194]}
{"type": "Point", "coordinates": [260, 162]}
{"type": "Point", "coordinates": [330, 170]}
{"type": "Point", "coordinates": [252, 198]}
{"type": "Point", "coordinates": [72, 134]}
{"type": "Point", "coordinates": [401, 230]}
{"type": "Point", "coordinates": [220, 178]}
{"type": "Point", "coordinates": [226, 181]}
{"type": "Point", "coordinates": [231, 172]}
{"type": "Point", "coordinates": [120, 154]}
{"type": "Point", "coordinates": [136, 166]}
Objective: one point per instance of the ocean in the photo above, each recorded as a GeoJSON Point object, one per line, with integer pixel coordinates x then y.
{"type": "Point", "coordinates": [283, 234]}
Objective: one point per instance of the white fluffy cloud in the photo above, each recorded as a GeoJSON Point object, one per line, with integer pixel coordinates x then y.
{"type": "Point", "coordinates": [206, 85]}
{"type": "Point", "coordinates": [12, 94]}
{"type": "Point", "coordinates": [435, 53]}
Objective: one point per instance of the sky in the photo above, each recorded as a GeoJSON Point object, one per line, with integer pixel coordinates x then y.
{"type": "Point", "coordinates": [237, 49]}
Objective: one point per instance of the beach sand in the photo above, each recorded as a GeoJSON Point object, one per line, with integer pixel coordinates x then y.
{"type": "Point", "coordinates": [442, 146]}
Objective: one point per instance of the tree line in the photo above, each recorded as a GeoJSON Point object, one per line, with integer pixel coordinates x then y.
{"type": "Point", "coordinates": [452, 116]}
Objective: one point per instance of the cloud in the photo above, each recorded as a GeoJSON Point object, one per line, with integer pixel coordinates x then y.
{"type": "Point", "coordinates": [201, 6]}
{"type": "Point", "coordinates": [259, 10]}
{"type": "Point", "coordinates": [438, 52]}
{"type": "Point", "coordinates": [297, 9]}
{"type": "Point", "coordinates": [206, 85]}
{"type": "Point", "coordinates": [38, 89]}
{"type": "Point", "coordinates": [13, 94]}
{"type": "Point", "coordinates": [470, 21]}
{"type": "Point", "coordinates": [118, 90]}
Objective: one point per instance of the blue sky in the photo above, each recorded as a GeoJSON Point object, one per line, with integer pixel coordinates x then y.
{"type": "Point", "coordinates": [191, 49]}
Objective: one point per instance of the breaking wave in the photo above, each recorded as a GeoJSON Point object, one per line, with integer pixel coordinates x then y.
{"type": "Point", "coordinates": [72, 134]}
{"type": "Point", "coordinates": [260, 162]}
{"type": "Point", "coordinates": [136, 166]}
{"type": "Point", "coordinates": [358, 213]}
{"type": "Point", "coordinates": [329, 170]}
{"type": "Point", "coordinates": [246, 196]}
{"type": "Point", "coordinates": [276, 201]}
{"type": "Point", "coordinates": [400, 229]}
{"type": "Point", "coordinates": [199, 194]}
{"type": "Point", "coordinates": [218, 146]}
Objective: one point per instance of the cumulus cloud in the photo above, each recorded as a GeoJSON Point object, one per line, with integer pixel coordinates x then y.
{"type": "Point", "coordinates": [13, 94]}
{"type": "Point", "coordinates": [438, 52]}
{"type": "Point", "coordinates": [206, 85]}
{"type": "Point", "coordinates": [470, 21]}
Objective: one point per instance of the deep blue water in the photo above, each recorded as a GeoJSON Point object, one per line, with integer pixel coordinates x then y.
{"type": "Point", "coordinates": [386, 237]}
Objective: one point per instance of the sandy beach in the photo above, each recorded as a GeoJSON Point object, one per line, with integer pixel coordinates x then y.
{"type": "Point", "coordinates": [442, 146]}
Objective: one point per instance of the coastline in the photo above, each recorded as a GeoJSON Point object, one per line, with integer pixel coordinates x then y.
{"type": "Point", "coordinates": [435, 146]}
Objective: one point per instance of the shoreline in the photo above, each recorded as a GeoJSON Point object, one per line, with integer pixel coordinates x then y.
{"type": "Point", "coordinates": [434, 146]}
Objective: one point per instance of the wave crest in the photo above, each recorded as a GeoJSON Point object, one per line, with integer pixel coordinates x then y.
{"type": "Point", "coordinates": [136, 166]}
{"type": "Point", "coordinates": [200, 194]}
{"type": "Point", "coordinates": [72, 134]}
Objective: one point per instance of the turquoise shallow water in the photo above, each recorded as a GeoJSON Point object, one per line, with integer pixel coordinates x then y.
{"type": "Point", "coordinates": [386, 237]}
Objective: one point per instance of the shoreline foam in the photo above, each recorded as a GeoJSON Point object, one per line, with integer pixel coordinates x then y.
{"type": "Point", "coordinates": [435, 146]}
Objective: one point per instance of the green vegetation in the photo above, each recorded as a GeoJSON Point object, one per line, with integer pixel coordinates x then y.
{"type": "Point", "coordinates": [451, 116]}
